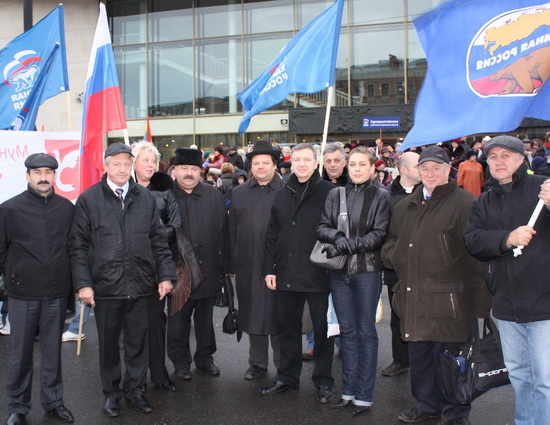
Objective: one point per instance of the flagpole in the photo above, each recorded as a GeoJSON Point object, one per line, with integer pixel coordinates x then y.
{"type": "Point", "coordinates": [531, 223]}
{"type": "Point", "coordinates": [325, 130]}
{"type": "Point", "coordinates": [126, 138]}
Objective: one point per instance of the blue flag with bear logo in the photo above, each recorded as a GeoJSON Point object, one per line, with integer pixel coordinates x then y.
{"type": "Point", "coordinates": [488, 62]}
{"type": "Point", "coordinates": [305, 65]}
{"type": "Point", "coordinates": [34, 68]}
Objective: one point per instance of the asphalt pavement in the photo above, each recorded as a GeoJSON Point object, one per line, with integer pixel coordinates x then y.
{"type": "Point", "coordinates": [229, 399]}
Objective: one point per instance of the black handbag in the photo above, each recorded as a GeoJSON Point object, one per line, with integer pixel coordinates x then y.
{"type": "Point", "coordinates": [231, 321]}
{"type": "Point", "coordinates": [320, 258]}
{"type": "Point", "coordinates": [476, 367]}
{"type": "Point", "coordinates": [225, 288]}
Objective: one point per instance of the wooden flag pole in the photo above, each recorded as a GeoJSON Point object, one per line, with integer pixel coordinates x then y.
{"type": "Point", "coordinates": [80, 325]}
{"type": "Point", "coordinates": [126, 138]}
{"type": "Point", "coordinates": [325, 130]}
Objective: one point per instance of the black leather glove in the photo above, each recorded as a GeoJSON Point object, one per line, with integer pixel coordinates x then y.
{"type": "Point", "coordinates": [343, 245]}
{"type": "Point", "coordinates": [330, 250]}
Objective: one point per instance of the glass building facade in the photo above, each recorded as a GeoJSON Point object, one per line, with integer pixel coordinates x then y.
{"type": "Point", "coordinates": [190, 58]}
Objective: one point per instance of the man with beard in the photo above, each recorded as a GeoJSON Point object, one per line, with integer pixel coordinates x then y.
{"type": "Point", "coordinates": [248, 219]}
{"type": "Point", "coordinates": [203, 216]}
{"type": "Point", "coordinates": [289, 241]}
{"type": "Point", "coordinates": [34, 231]}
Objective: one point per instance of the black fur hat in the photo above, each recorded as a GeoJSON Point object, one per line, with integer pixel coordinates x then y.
{"type": "Point", "coordinates": [186, 156]}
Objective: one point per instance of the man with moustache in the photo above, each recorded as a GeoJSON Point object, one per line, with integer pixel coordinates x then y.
{"type": "Point", "coordinates": [118, 253]}
{"type": "Point", "coordinates": [289, 241]}
{"type": "Point", "coordinates": [204, 216]}
{"type": "Point", "coordinates": [248, 218]}
{"type": "Point", "coordinates": [34, 231]}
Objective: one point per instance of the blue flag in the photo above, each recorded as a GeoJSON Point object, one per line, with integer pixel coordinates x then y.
{"type": "Point", "coordinates": [305, 65]}
{"type": "Point", "coordinates": [488, 62]}
{"type": "Point", "coordinates": [40, 50]}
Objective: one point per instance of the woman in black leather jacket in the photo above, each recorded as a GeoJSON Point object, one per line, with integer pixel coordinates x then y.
{"type": "Point", "coordinates": [356, 288]}
{"type": "Point", "coordinates": [146, 165]}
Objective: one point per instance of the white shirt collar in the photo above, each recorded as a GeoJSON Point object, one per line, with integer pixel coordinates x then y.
{"type": "Point", "coordinates": [114, 187]}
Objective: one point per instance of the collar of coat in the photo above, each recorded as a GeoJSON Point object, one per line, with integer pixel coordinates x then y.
{"type": "Point", "coordinates": [39, 197]}
{"type": "Point", "coordinates": [198, 190]}
{"type": "Point", "coordinates": [438, 193]}
{"type": "Point", "coordinates": [133, 191]}
{"type": "Point", "coordinates": [274, 183]}
{"type": "Point", "coordinates": [293, 180]}
{"type": "Point", "coordinates": [160, 182]}
{"type": "Point", "coordinates": [517, 178]}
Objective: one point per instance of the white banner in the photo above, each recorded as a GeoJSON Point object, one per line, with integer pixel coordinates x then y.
{"type": "Point", "coordinates": [16, 146]}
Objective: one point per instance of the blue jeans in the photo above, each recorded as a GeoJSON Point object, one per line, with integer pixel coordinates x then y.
{"type": "Point", "coordinates": [525, 347]}
{"type": "Point", "coordinates": [355, 299]}
{"type": "Point", "coordinates": [73, 327]}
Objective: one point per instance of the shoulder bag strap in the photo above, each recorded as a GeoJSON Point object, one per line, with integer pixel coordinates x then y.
{"type": "Point", "coordinates": [343, 222]}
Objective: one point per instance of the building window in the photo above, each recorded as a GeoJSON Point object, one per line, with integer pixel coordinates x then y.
{"type": "Point", "coordinates": [385, 89]}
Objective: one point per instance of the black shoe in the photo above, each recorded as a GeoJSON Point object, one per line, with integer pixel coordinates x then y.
{"type": "Point", "coordinates": [144, 388]}
{"type": "Point", "coordinates": [112, 407]}
{"type": "Point", "coordinates": [324, 395]}
{"type": "Point", "coordinates": [414, 415]}
{"type": "Point", "coordinates": [61, 413]}
{"type": "Point", "coordinates": [210, 369]}
{"type": "Point", "coordinates": [342, 403]}
{"type": "Point", "coordinates": [277, 388]}
{"type": "Point", "coordinates": [254, 372]}
{"type": "Point", "coordinates": [457, 421]}
{"type": "Point", "coordinates": [396, 368]}
{"type": "Point", "coordinates": [140, 404]}
{"type": "Point", "coordinates": [167, 386]}
{"type": "Point", "coordinates": [184, 374]}
{"type": "Point", "coordinates": [16, 419]}
{"type": "Point", "coordinates": [359, 410]}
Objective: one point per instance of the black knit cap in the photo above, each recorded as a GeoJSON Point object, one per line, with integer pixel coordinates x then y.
{"type": "Point", "coordinates": [187, 156]}
{"type": "Point", "coordinates": [39, 160]}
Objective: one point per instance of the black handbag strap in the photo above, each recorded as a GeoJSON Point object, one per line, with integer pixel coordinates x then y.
{"type": "Point", "coordinates": [343, 219]}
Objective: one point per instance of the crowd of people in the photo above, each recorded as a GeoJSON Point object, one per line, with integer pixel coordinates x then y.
{"type": "Point", "coordinates": [436, 225]}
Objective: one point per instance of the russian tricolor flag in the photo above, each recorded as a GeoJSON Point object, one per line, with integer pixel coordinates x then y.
{"type": "Point", "coordinates": [103, 107]}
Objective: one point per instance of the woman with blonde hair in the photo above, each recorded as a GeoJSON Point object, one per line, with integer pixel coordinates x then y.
{"type": "Point", "coordinates": [146, 165]}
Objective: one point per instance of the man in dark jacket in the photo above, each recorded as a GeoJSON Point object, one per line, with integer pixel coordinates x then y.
{"type": "Point", "coordinates": [119, 253]}
{"type": "Point", "coordinates": [518, 284]}
{"type": "Point", "coordinates": [248, 219]}
{"type": "Point", "coordinates": [34, 230]}
{"type": "Point", "coordinates": [204, 216]}
{"type": "Point", "coordinates": [440, 288]}
{"type": "Point", "coordinates": [401, 187]}
{"type": "Point", "coordinates": [235, 158]}
{"type": "Point", "coordinates": [289, 241]}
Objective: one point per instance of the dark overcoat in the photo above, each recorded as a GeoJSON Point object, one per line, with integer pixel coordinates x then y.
{"type": "Point", "coordinates": [204, 216]}
{"type": "Point", "coordinates": [248, 219]}
{"type": "Point", "coordinates": [291, 236]}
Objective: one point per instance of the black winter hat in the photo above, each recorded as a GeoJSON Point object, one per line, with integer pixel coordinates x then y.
{"type": "Point", "coordinates": [186, 156]}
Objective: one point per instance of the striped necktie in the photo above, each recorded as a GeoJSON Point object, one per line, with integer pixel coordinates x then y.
{"type": "Point", "coordinates": [119, 191]}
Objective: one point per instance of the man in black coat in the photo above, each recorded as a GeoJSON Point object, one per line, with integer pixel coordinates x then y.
{"type": "Point", "coordinates": [119, 253]}
{"type": "Point", "coordinates": [248, 218]}
{"type": "Point", "coordinates": [203, 215]}
{"type": "Point", "coordinates": [34, 230]}
{"type": "Point", "coordinates": [518, 283]}
{"type": "Point", "coordinates": [289, 241]}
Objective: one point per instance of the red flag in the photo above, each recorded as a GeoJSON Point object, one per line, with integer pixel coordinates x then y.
{"type": "Point", "coordinates": [103, 107]}
{"type": "Point", "coordinates": [148, 136]}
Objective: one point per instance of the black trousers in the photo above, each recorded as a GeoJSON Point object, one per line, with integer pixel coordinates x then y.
{"type": "Point", "coordinates": [157, 341]}
{"type": "Point", "coordinates": [290, 307]}
{"type": "Point", "coordinates": [25, 318]}
{"type": "Point", "coordinates": [129, 318]}
{"type": "Point", "coordinates": [426, 383]}
{"type": "Point", "coordinates": [399, 348]}
{"type": "Point", "coordinates": [179, 329]}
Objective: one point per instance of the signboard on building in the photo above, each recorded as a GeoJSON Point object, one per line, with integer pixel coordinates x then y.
{"type": "Point", "coordinates": [381, 122]}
